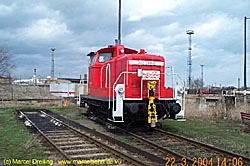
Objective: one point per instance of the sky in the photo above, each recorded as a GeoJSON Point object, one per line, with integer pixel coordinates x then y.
{"type": "Point", "coordinates": [30, 28]}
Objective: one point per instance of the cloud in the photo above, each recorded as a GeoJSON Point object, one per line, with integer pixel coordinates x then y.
{"type": "Point", "coordinates": [29, 29]}
{"type": "Point", "coordinates": [217, 24]}
{"type": "Point", "coordinates": [44, 29]}
{"type": "Point", "coordinates": [137, 10]}
{"type": "Point", "coordinates": [6, 10]}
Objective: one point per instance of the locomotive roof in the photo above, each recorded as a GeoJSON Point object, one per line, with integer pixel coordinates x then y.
{"type": "Point", "coordinates": [112, 48]}
{"type": "Point", "coordinates": [115, 47]}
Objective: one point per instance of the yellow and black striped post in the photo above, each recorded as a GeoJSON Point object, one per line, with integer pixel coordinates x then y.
{"type": "Point", "coordinates": [152, 114]}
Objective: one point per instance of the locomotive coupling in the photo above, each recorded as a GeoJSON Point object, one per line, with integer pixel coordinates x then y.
{"type": "Point", "coordinates": [152, 114]}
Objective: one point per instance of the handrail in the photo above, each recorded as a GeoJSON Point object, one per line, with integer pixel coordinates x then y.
{"type": "Point", "coordinates": [172, 73]}
{"type": "Point", "coordinates": [107, 69]}
{"type": "Point", "coordinates": [107, 66]}
{"type": "Point", "coordinates": [101, 75]}
{"type": "Point", "coordinates": [125, 72]}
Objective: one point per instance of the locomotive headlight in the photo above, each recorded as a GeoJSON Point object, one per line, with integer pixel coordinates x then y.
{"type": "Point", "coordinates": [139, 72]}
{"type": "Point", "coordinates": [120, 90]}
{"type": "Point", "coordinates": [122, 51]}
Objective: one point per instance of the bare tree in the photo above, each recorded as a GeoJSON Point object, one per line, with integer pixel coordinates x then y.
{"type": "Point", "coordinates": [5, 64]}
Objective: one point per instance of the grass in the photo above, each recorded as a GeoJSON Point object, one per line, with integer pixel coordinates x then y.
{"type": "Point", "coordinates": [15, 140]}
{"type": "Point", "coordinates": [226, 134]}
{"type": "Point", "coordinates": [71, 112]}
{"type": "Point", "coordinates": [123, 139]}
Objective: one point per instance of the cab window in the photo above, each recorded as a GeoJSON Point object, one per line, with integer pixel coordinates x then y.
{"type": "Point", "coordinates": [92, 60]}
{"type": "Point", "coordinates": [104, 56]}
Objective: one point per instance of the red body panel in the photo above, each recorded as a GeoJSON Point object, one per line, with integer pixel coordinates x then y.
{"type": "Point", "coordinates": [122, 68]}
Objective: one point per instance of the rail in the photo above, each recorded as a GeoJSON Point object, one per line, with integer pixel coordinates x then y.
{"type": "Point", "coordinates": [44, 135]}
{"type": "Point", "coordinates": [181, 148]}
{"type": "Point", "coordinates": [129, 154]}
{"type": "Point", "coordinates": [203, 144]}
{"type": "Point", "coordinates": [151, 145]}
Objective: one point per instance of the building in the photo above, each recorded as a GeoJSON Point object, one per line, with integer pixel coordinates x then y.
{"type": "Point", "coordinates": [5, 80]}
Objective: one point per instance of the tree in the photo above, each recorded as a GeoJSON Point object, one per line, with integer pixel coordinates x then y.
{"type": "Point", "coordinates": [5, 64]}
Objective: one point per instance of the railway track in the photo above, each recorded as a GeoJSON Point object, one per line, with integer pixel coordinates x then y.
{"type": "Point", "coordinates": [81, 145]}
{"type": "Point", "coordinates": [143, 146]}
{"type": "Point", "coordinates": [180, 150]}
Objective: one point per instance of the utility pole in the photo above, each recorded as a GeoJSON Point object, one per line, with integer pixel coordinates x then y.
{"type": "Point", "coordinates": [189, 61]}
{"type": "Point", "coordinates": [34, 77]}
{"type": "Point", "coordinates": [119, 23]}
{"type": "Point", "coordinates": [238, 83]}
{"type": "Point", "coordinates": [202, 76]}
{"type": "Point", "coordinates": [52, 62]}
{"type": "Point", "coordinates": [245, 52]}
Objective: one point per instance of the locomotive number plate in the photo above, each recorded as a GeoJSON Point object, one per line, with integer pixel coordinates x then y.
{"type": "Point", "coordinates": [146, 63]}
{"type": "Point", "coordinates": [150, 75]}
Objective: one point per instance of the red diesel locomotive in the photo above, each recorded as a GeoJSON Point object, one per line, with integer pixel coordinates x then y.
{"type": "Point", "coordinates": [127, 86]}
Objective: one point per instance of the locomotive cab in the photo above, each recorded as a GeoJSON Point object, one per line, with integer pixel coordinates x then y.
{"type": "Point", "coordinates": [127, 86]}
